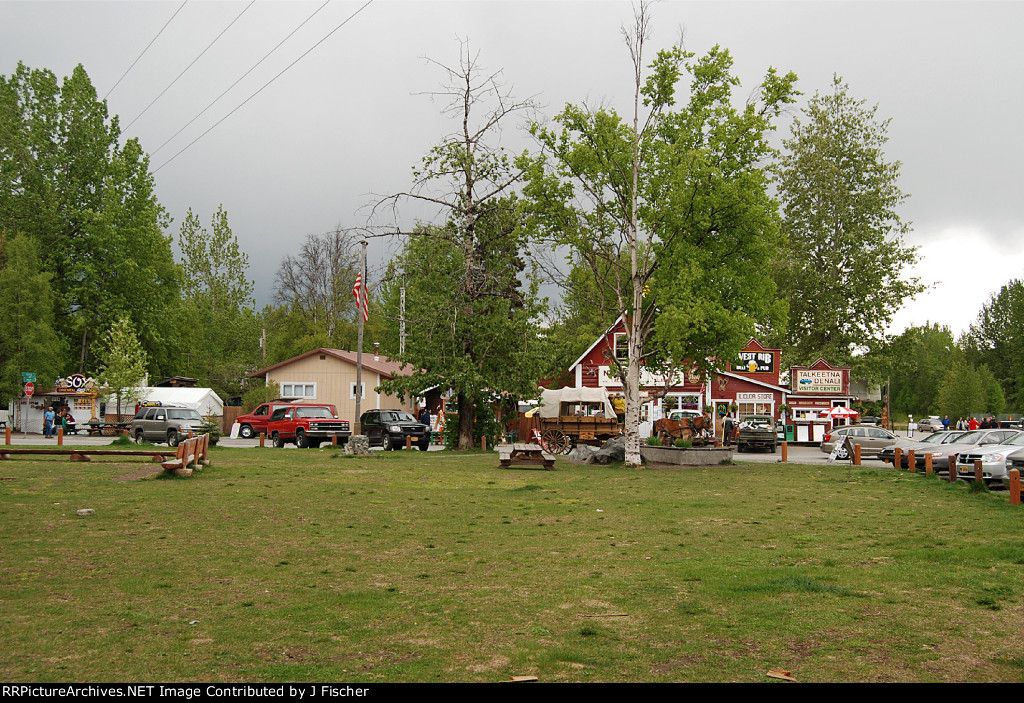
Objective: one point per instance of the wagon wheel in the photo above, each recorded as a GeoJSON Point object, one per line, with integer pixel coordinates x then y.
{"type": "Point", "coordinates": [555, 442]}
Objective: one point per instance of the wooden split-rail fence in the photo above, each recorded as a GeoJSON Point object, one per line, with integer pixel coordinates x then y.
{"type": "Point", "coordinates": [192, 452]}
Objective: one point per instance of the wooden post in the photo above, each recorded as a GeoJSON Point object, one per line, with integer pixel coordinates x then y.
{"type": "Point", "coordinates": [951, 476]}
{"type": "Point", "coordinates": [60, 436]}
{"type": "Point", "coordinates": [1014, 487]}
{"type": "Point", "coordinates": [483, 443]}
{"type": "Point", "coordinates": [408, 442]}
{"type": "Point", "coordinates": [263, 436]}
{"type": "Point", "coordinates": [125, 433]}
{"type": "Point", "coordinates": [7, 435]}
{"type": "Point", "coordinates": [334, 440]}
{"type": "Point", "coordinates": [897, 458]}
{"type": "Point", "coordinates": [856, 455]}
{"type": "Point", "coordinates": [911, 461]}
{"type": "Point", "coordinates": [977, 471]}
{"type": "Point", "coordinates": [785, 452]}
{"type": "Point", "coordinates": [928, 464]}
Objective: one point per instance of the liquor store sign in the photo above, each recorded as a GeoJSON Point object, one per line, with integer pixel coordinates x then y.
{"type": "Point", "coordinates": [817, 381]}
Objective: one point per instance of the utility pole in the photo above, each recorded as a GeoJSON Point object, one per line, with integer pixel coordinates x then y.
{"type": "Point", "coordinates": [357, 427]}
{"type": "Point", "coordinates": [401, 325]}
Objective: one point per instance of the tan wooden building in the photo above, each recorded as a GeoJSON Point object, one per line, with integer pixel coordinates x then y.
{"type": "Point", "coordinates": [329, 376]}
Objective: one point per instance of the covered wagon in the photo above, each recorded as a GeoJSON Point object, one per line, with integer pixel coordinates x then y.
{"type": "Point", "coordinates": [571, 416]}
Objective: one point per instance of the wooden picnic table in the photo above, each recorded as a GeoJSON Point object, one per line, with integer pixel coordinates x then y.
{"type": "Point", "coordinates": [527, 455]}
{"type": "Point", "coordinates": [96, 427]}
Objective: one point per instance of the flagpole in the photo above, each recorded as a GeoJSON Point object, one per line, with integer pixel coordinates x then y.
{"type": "Point", "coordinates": [357, 427]}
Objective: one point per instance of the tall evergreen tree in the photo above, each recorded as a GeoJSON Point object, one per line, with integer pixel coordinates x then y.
{"type": "Point", "coordinates": [996, 340]}
{"type": "Point", "coordinates": [843, 270]}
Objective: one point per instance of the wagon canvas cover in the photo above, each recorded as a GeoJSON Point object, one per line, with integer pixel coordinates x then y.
{"type": "Point", "coordinates": [551, 401]}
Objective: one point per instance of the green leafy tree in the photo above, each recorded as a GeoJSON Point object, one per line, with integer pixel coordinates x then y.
{"type": "Point", "coordinates": [475, 347]}
{"type": "Point", "coordinates": [28, 341]}
{"type": "Point", "coordinates": [843, 270]}
{"type": "Point", "coordinates": [671, 200]}
{"type": "Point", "coordinates": [918, 360]}
{"type": "Point", "coordinates": [221, 329]}
{"type": "Point", "coordinates": [505, 353]}
{"type": "Point", "coordinates": [124, 363]}
{"type": "Point", "coordinates": [996, 340]}
{"type": "Point", "coordinates": [995, 401]}
{"type": "Point", "coordinates": [88, 204]}
{"type": "Point", "coordinates": [961, 393]}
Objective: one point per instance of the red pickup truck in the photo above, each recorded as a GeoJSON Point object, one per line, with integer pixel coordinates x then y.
{"type": "Point", "coordinates": [306, 426]}
{"type": "Point", "coordinates": [254, 423]}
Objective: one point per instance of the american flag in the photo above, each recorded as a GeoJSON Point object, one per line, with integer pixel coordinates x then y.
{"type": "Point", "coordinates": [361, 300]}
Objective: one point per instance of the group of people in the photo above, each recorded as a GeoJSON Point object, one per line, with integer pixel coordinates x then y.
{"type": "Point", "coordinates": [989, 423]}
{"type": "Point", "coordinates": [54, 419]}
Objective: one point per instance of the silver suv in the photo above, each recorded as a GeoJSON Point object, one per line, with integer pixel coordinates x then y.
{"type": "Point", "coordinates": [165, 423]}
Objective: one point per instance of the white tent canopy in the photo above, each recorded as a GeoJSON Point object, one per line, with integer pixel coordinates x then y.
{"type": "Point", "coordinates": [203, 400]}
{"type": "Point", "coordinates": [551, 401]}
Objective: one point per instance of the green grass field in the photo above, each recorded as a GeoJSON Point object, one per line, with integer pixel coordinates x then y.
{"type": "Point", "coordinates": [287, 565]}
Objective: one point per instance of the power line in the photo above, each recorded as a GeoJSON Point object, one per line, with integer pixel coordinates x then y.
{"type": "Point", "coordinates": [260, 90]}
{"type": "Point", "coordinates": [240, 78]}
{"type": "Point", "coordinates": [145, 50]}
{"type": "Point", "coordinates": [251, 3]}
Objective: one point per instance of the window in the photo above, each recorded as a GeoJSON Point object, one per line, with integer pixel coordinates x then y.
{"type": "Point", "coordinates": [621, 346]}
{"type": "Point", "coordinates": [352, 390]}
{"type": "Point", "coordinates": [298, 390]}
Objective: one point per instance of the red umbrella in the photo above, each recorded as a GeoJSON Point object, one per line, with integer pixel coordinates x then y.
{"type": "Point", "coordinates": [841, 411]}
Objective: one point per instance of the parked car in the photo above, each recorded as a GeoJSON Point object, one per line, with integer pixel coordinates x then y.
{"type": "Point", "coordinates": [254, 423]}
{"type": "Point", "coordinates": [1014, 461]}
{"type": "Point", "coordinates": [921, 446]}
{"type": "Point", "coordinates": [872, 440]}
{"type": "Point", "coordinates": [966, 442]}
{"type": "Point", "coordinates": [306, 426]}
{"type": "Point", "coordinates": [389, 428]}
{"type": "Point", "coordinates": [165, 423]}
{"type": "Point", "coordinates": [930, 424]}
{"type": "Point", "coordinates": [871, 420]}
{"type": "Point", "coordinates": [993, 459]}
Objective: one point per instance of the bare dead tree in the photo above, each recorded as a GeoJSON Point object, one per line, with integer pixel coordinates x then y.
{"type": "Point", "coordinates": [317, 282]}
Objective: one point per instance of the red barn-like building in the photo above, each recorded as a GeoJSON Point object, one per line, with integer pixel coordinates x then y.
{"type": "Point", "coordinates": [751, 382]}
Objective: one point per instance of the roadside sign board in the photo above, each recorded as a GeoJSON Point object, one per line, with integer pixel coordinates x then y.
{"type": "Point", "coordinates": [28, 377]}
{"type": "Point", "coordinates": [30, 388]}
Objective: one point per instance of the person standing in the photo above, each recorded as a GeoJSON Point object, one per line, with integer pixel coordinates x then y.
{"type": "Point", "coordinates": [48, 422]}
{"type": "Point", "coordinates": [945, 422]}
{"type": "Point", "coordinates": [973, 424]}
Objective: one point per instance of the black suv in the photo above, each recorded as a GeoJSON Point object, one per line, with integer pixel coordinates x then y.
{"type": "Point", "coordinates": [389, 428]}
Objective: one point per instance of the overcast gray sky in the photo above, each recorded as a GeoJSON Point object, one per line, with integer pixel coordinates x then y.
{"type": "Point", "coordinates": [350, 119]}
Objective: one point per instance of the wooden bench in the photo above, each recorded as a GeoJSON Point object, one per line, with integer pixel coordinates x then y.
{"type": "Point", "coordinates": [192, 451]}
{"type": "Point", "coordinates": [528, 455]}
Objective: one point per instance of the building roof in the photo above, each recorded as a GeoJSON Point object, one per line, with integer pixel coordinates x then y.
{"type": "Point", "coordinates": [378, 364]}
{"type": "Point", "coordinates": [756, 382]}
